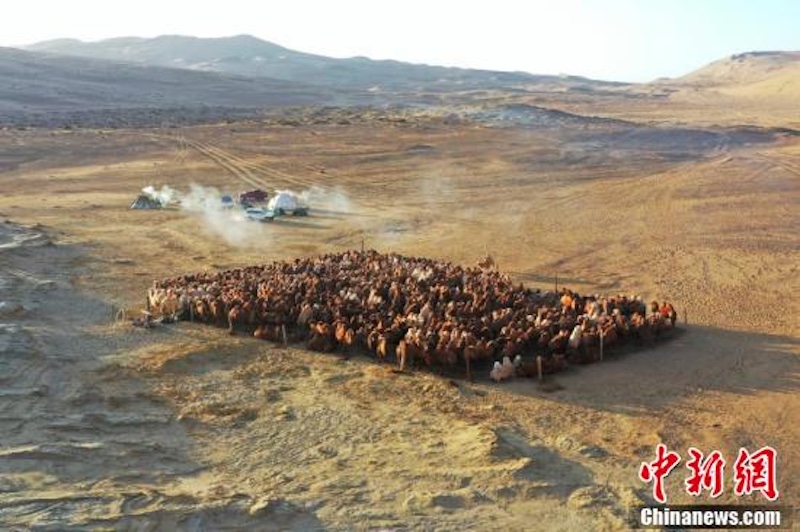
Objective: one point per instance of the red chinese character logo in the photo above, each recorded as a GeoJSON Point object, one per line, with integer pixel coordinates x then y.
{"type": "Point", "coordinates": [756, 472]}
{"type": "Point", "coordinates": [706, 474]}
{"type": "Point", "coordinates": [658, 470]}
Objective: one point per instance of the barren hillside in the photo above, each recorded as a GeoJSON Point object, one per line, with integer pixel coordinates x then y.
{"type": "Point", "coordinates": [744, 69]}
{"type": "Point", "coordinates": [756, 88]}
{"type": "Point", "coordinates": [246, 55]}
{"type": "Point", "coordinates": [38, 85]}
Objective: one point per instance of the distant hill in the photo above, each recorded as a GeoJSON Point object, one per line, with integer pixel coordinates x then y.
{"type": "Point", "coordinates": [742, 69]}
{"type": "Point", "coordinates": [771, 75]}
{"type": "Point", "coordinates": [174, 79]}
{"type": "Point", "coordinates": [37, 83]}
{"type": "Point", "coordinates": [248, 56]}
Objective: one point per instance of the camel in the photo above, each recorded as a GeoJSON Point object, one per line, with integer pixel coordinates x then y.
{"type": "Point", "coordinates": [235, 315]}
{"type": "Point", "coordinates": [345, 336]}
{"type": "Point", "coordinates": [216, 311]}
{"type": "Point", "coordinates": [560, 342]}
{"type": "Point", "coordinates": [164, 303]}
{"type": "Point", "coordinates": [407, 353]}
{"type": "Point", "coordinates": [384, 349]}
{"type": "Point", "coordinates": [445, 352]}
{"type": "Point", "coordinates": [588, 349]}
{"type": "Point", "coordinates": [240, 314]}
{"type": "Point", "coordinates": [575, 337]}
{"type": "Point", "coordinates": [504, 371]}
{"type": "Point", "coordinates": [322, 338]}
{"type": "Point", "coordinates": [478, 351]}
{"type": "Point", "coordinates": [641, 328]}
{"type": "Point", "coordinates": [372, 340]}
{"type": "Point", "coordinates": [306, 314]}
{"type": "Point", "coordinates": [442, 312]}
{"type": "Point", "coordinates": [488, 263]}
{"type": "Point", "coordinates": [272, 333]}
{"type": "Point", "coordinates": [668, 312]}
{"type": "Point", "coordinates": [543, 342]}
{"type": "Point", "coordinates": [201, 312]}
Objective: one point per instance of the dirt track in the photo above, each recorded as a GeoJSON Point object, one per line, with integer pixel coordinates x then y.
{"type": "Point", "coordinates": [105, 425]}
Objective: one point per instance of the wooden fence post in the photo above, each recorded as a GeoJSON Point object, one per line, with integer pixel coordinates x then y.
{"type": "Point", "coordinates": [601, 343]}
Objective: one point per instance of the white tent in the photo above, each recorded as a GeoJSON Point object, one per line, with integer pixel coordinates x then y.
{"type": "Point", "coordinates": [145, 202]}
{"type": "Point", "coordinates": [283, 201]}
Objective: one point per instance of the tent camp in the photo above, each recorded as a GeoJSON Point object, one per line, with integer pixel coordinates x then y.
{"type": "Point", "coordinates": [287, 203]}
{"type": "Point", "coordinates": [145, 202]}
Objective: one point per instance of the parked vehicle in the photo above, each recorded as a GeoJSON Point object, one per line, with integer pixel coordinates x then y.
{"type": "Point", "coordinates": [259, 215]}
{"type": "Point", "coordinates": [252, 197]}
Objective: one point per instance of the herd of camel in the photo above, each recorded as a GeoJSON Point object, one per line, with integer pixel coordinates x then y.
{"type": "Point", "coordinates": [414, 311]}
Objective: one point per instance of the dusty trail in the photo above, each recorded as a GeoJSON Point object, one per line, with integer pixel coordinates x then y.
{"type": "Point", "coordinates": [275, 174]}
{"type": "Point", "coordinates": [244, 169]}
{"type": "Point", "coordinates": [223, 160]}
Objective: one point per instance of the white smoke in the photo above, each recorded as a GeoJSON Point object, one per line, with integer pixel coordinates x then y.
{"type": "Point", "coordinates": [432, 187]}
{"type": "Point", "coordinates": [202, 199]}
{"type": "Point", "coordinates": [331, 199]}
{"type": "Point", "coordinates": [230, 224]}
{"type": "Point", "coordinates": [165, 195]}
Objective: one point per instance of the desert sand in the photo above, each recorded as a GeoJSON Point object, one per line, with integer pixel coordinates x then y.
{"type": "Point", "coordinates": [104, 425]}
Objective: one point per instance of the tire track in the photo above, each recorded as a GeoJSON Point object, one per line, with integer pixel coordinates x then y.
{"type": "Point", "coordinates": [273, 173]}
{"type": "Point", "coordinates": [222, 161]}
{"type": "Point", "coordinates": [233, 162]}
{"type": "Point", "coordinates": [780, 162]}
{"type": "Point", "coordinates": [242, 169]}
{"type": "Point", "coordinates": [183, 149]}
{"type": "Point", "coordinates": [284, 176]}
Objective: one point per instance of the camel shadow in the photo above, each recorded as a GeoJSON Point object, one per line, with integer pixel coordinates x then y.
{"type": "Point", "coordinates": [694, 359]}
{"type": "Point", "coordinates": [638, 380]}
{"type": "Point", "coordinates": [548, 473]}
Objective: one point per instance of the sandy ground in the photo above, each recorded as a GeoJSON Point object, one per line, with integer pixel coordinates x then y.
{"type": "Point", "coordinates": [103, 425]}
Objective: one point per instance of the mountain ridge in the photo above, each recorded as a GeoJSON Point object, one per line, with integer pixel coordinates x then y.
{"type": "Point", "coordinates": [36, 83]}
{"type": "Point", "coordinates": [253, 57]}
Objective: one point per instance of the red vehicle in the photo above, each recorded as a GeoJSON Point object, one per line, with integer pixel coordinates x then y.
{"type": "Point", "coordinates": [253, 196]}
